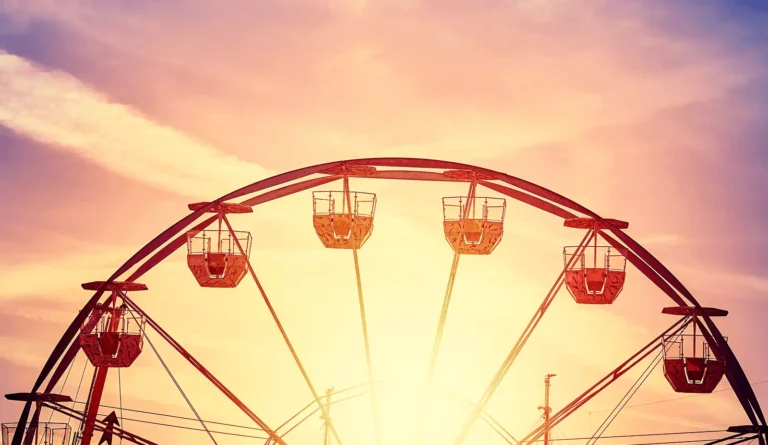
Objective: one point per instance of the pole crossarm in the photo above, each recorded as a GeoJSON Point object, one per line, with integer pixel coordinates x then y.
{"type": "Point", "coordinates": [288, 343]}
{"type": "Point", "coordinates": [513, 354]}
{"type": "Point", "coordinates": [204, 371]}
{"type": "Point", "coordinates": [603, 383]}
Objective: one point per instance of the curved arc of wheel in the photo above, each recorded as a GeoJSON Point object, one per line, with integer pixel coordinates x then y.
{"type": "Point", "coordinates": [539, 197]}
{"type": "Point", "coordinates": [67, 341]}
{"type": "Point", "coordinates": [736, 376]}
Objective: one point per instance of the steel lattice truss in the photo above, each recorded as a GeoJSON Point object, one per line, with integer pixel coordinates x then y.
{"type": "Point", "coordinates": [110, 328]}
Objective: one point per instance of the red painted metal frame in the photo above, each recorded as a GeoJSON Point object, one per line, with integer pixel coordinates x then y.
{"type": "Point", "coordinates": [603, 383]}
{"type": "Point", "coordinates": [203, 370]}
{"type": "Point", "coordinates": [521, 341]}
{"type": "Point", "coordinates": [165, 243]}
{"type": "Point", "coordinates": [284, 334]}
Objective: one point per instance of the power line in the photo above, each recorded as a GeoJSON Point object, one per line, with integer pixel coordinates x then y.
{"type": "Point", "coordinates": [213, 422]}
{"type": "Point", "coordinates": [178, 417]}
{"type": "Point", "coordinates": [69, 370]}
{"type": "Point", "coordinates": [627, 397]}
{"type": "Point", "coordinates": [564, 439]}
{"type": "Point", "coordinates": [224, 433]}
{"type": "Point", "coordinates": [624, 436]}
{"type": "Point", "coordinates": [679, 398]}
{"type": "Point", "coordinates": [175, 382]}
{"type": "Point", "coordinates": [671, 442]}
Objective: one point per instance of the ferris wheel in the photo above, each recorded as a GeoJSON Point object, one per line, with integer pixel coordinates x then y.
{"type": "Point", "coordinates": [111, 329]}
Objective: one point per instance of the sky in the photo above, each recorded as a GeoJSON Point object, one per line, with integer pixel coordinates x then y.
{"type": "Point", "coordinates": [115, 115]}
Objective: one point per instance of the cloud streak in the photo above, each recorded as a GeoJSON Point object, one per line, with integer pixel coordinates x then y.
{"type": "Point", "coordinates": [457, 80]}
{"type": "Point", "coordinates": [54, 107]}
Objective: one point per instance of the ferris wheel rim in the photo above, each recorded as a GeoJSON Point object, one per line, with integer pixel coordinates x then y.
{"type": "Point", "coordinates": [534, 195]}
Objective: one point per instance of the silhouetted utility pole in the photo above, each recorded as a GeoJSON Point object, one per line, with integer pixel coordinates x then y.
{"type": "Point", "coordinates": [327, 419]}
{"type": "Point", "coordinates": [546, 408]}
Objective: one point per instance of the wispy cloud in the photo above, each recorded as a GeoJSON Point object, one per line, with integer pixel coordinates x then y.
{"type": "Point", "coordinates": [458, 80]}
{"type": "Point", "coordinates": [56, 108]}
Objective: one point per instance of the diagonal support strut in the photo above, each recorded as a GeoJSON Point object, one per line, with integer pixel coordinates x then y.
{"type": "Point", "coordinates": [283, 333]}
{"type": "Point", "coordinates": [606, 381]}
{"type": "Point", "coordinates": [203, 370]}
{"type": "Point", "coordinates": [537, 316]}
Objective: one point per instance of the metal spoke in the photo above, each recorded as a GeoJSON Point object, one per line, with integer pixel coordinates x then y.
{"type": "Point", "coordinates": [537, 316]}
{"type": "Point", "coordinates": [363, 320]}
{"type": "Point", "coordinates": [606, 381]}
{"type": "Point", "coordinates": [443, 318]}
{"type": "Point", "coordinates": [282, 331]}
{"type": "Point", "coordinates": [203, 370]}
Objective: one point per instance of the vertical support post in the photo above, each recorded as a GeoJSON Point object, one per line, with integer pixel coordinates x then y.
{"type": "Point", "coordinates": [218, 234]}
{"type": "Point", "coordinates": [470, 201]}
{"type": "Point", "coordinates": [694, 337]}
{"type": "Point", "coordinates": [345, 198]}
{"type": "Point", "coordinates": [546, 408]}
{"type": "Point", "coordinates": [595, 230]}
{"type": "Point", "coordinates": [94, 400]}
{"type": "Point", "coordinates": [99, 379]}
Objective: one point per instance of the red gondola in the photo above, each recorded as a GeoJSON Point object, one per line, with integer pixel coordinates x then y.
{"type": "Point", "coordinates": [113, 336]}
{"type": "Point", "coordinates": [473, 225]}
{"type": "Point", "coordinates": [597, 273]}
{"type": "Point", "coordinates": [343, 219]}
{"type": "Point", "coordinates": [214, 256]}
{"type": "Point", "coordinates": [689, 365]}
